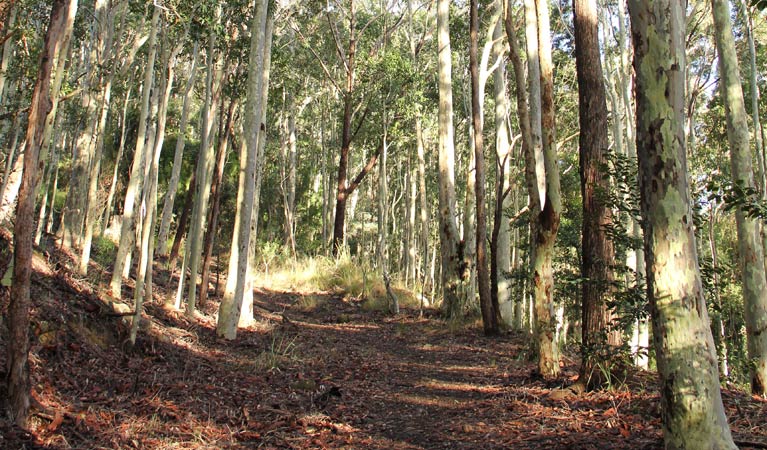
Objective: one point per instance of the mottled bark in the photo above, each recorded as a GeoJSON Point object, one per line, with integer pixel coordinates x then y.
{"type": "Point", "coordinates": [528, 140]}
{"type": "Point", "coordinates": [546, 214]}
{"type": "Point", "coordinates": [692, 412]}
{"type": "Point", "coordinates": [749, 243]}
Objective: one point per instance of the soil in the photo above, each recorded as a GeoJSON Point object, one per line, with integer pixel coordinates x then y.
{"type": "Point", "coordinates": [316, 370]}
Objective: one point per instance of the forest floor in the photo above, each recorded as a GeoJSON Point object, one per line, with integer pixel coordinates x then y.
{"type": "Point", "coordinates": [316, 370]}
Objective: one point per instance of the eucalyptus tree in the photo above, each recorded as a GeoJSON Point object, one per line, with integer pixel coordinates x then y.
{"type": "Point", "coordinates": [170, 194]}
{"type": "Point", "coordinates": [692, 410]}
{"type": "Point", "coordinates": [232, 304]}
{"type": "Point", "coordinates": [108, 48]}
{"type": "Point", "coordinates": [749, 243]}
{"type": "Point", "coordinates": [546, 203]}
{"type": "Point", "coordinates": [451, 249]}
{"type": "Point", "coordinates": [489, 313]}
{"type": "Point", "coordinates": [205, 161]}
{"type": "Point", "coordinates": [62, 17]}
{"type": "Point", "coordinates": [143, 288]}
{"type": "Point", "coordinates": [9, 16]}
{"type": "Point", "coordinates": [94, 95]}
{"type": "Point", "coordinates": [501, 253]}
{"type": "Point", "coordinates": [127, 232]}
{"type": "Point", "coordinates": [524, 113]}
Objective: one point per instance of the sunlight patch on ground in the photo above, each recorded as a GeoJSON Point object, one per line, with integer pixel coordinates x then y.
{"type": "Point", "coordinates": [468, 370]}
{"type": "Point", "coordinates": [458, 386]}
{"type": "Point", "coordinates": [434, 402]}
{"type": "Point", "coordinates": [356, 328]}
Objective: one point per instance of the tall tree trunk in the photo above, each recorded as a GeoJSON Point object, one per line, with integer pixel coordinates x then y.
{"type": "Point", "coordinates": [127, 232]}
{"type": "Point", "coordinates": [232, 303]}
{"type": "Point", "coordinates": [149, 203]}
{"type": "Point", "coordinates": [598, 253]}
{"type": "Point", "coordinates": [107, 214]}
{"type": "Point", "coordinates": [170, 195]}
{"type": "Point", "coordinates": [7, 52]}
{"type": "Point", "coordinates": [529, 138]}
{"type": "Point", "coordinates": [205, 163]}
{"type": "Point", "coordinates": [288, 169]}
{"type": "Point", "coordinates": [183, 221]}
{"type": "Point", "coordinates": [246, 313]}
{"type": "Point", "coordinates": [692, 410]}
{"type": "Point", "coordinates": [547, 212]}
{"type": "Point", "coordinates": [717, 324]}
{"type": "Point", "coordinates": [453, 274]}
{"type": "Point", "coordinates": [383, 195]}
{"type": "Point", "coordinates": [346, 137]}
{"type": "Point", "coordinates": [92, 211]}
{"type": "Point", "coordinates": [749, 245]}
{"type": "Point", "coordinates": [489, 314]}
{"type": "Point", "coordinates": [77, 193]}
{"type": "Point", "coordinates": [19, 386]}
{"type": "Point", "coordinates": [225, 130]}
{"type": "Point", "coordinates": [502, 253]}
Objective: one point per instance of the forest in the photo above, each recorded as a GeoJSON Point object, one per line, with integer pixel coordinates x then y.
{"type": "Point", "coordinates": [388, 224]}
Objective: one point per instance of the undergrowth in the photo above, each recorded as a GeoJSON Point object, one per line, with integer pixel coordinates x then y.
{"type": "Point", "coordinates": [346, 276]}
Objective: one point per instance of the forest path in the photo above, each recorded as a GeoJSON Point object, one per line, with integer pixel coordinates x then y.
{"type": "Point", "coordinates": [316, 370]}
{"type": "Point", "coordinates": [411, 382]}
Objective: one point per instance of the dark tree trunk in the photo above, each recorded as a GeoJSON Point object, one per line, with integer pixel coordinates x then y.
{"type": "Point", "coordinates": [19, 386]}
{"type": "Point", "coordinates": [598, 253]}
{"type": "Point", "coordinates": [343, 191]}
{"type": "Point", "coordinates": [489, 312]}
{"type": "Point", "coordinates": [183, 221]}
{"type": "Point", "coordinates": [210, 234]}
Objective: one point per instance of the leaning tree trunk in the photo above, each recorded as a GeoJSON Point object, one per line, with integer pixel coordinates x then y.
{"type": "Point", "coordinates": [749, 245]}
{"type": "Point", "coordinates": [170, 195]}
{"type": "Point", "coordinates": [19, 386]}
{"type": "Point", "coordinates": [127, 233]}
{"type": "Point", "coordinates": [692, 411]}
{"type": "Point", "coordinates": [598, 253]}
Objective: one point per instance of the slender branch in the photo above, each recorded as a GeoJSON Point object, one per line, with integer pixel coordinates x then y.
{"type": "Point", "coordinates": [361, 122]}
{"type": "Point", "coordinates": [336, 41]}
{"type": "Point", "coordinates": [316, 56]}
